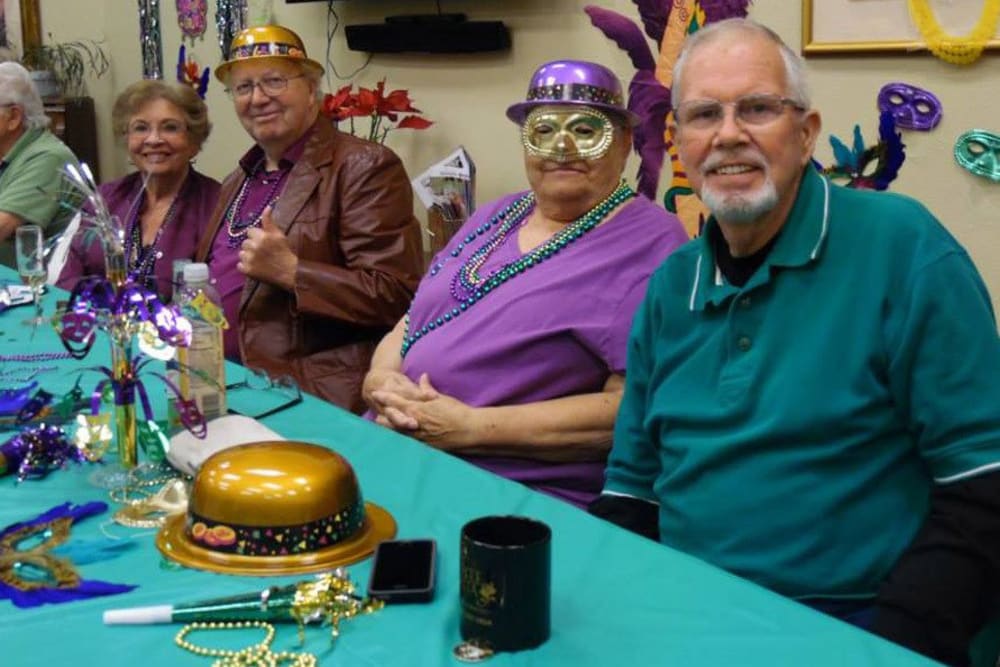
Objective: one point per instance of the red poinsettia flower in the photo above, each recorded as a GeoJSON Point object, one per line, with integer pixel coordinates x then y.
{"type": "Point", "coordinates": [414, 123]}
{"type": "Point", "coordinates": [339, 105]}
{"type": "Point", "coordinates": [375, 104]}
{"type": "Point", "coordinates": [367, 102]}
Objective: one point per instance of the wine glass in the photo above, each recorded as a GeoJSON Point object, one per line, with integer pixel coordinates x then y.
{"type": "Point", "coordinates": [30, 249]}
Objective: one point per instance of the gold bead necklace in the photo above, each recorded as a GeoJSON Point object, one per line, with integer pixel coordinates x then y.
{"type": "Point", "coordinates": [258, 654]}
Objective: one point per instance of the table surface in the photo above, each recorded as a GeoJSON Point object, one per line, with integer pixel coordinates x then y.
{"type": "Point", "coordinates": [616, 597]}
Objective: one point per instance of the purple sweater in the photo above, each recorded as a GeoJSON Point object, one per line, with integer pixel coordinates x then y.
{"type": "Point", "coordinates": [558, 329]}
{"type": "Point", "coordinates": [178, 241]}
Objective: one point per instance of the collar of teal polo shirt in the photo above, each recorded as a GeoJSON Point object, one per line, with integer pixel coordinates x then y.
{"type": "Point", "coordinates": [800, 242]}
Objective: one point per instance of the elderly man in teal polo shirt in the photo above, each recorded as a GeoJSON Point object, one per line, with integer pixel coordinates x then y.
{"type": "Point", "coordinates": [31, 162]}
{"type": "Point", "coordinates": [812, 393]}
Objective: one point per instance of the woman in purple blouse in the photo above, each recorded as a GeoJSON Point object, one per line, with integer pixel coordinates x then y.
{"type": "Point", "coordinates": [513, 353]}
{"type": "Point", "coordinates": [165, 204]}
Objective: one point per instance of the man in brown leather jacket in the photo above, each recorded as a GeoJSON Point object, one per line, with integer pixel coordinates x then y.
{"type": "Point", "coordinates": [313, 245]}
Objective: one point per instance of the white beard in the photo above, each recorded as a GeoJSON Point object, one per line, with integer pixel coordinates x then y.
{"type": "Point", "coordinates": [741, 209]}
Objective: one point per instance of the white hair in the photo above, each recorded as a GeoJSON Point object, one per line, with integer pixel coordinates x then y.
{"type": "Point", "coordinates": [17, 88]}
{"type": "Point", "coordinates": [795, 71]}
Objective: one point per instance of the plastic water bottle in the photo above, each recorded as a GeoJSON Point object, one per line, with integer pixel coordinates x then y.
{"type": "Point", "coordinates": [201, 367]}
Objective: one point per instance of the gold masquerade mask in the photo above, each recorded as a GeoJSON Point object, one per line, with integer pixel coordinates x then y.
{"type": "Point", "coordinates": [565, 134]}
{"type": "Point", "coordinates": [152, 512]}
{"type": "Point", "coordinates": [25, 561]}
{"type": "Point", "coordinates": [37, 558]}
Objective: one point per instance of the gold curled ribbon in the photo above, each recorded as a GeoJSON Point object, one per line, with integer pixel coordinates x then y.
{"type": "Point", "coordinates": [949, 48]}
{"type": "Point", "coordinates": [331, 596]}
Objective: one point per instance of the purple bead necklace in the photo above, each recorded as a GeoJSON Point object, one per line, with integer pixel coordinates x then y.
{"type": "Point", "coordinates": [237, 229]}
{"type": "Point", "coordinates": [22, 374]}
{"type": "Point", "coordinates": [141, 259]}
{"type": "Point", "coordinates": [35, 357]}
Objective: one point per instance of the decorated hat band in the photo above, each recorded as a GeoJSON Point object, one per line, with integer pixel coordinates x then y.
{"type": "Point", "coordinates": [266, 49]}
{"type": "Point", "coordinates": [277, 540]}
{"type": "Point", "coordinates": [568, 82]}
{"type": "Point", "coordinates": [574, 92]}
{"type": "Point", "coordinates": [266, 41]}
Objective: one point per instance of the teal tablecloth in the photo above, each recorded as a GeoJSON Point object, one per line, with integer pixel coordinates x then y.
{"type": "Point", "coordinates": [617, 599]}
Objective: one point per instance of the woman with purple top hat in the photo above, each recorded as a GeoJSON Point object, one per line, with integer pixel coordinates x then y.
{"type": "Point", "coordinates": [165, 204]}
{"type": "Point", "coordinates": [512, 355]}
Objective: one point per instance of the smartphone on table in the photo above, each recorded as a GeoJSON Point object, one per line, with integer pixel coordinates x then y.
{"type": "Point", "coordinates": [403, 571]}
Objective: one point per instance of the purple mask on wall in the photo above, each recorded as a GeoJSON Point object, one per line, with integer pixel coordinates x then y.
{"type": "Point", "coordinates": [912, 108]}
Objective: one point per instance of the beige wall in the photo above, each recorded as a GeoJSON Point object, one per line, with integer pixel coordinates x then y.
{"type": "Point", "coordinates": [466, 94]}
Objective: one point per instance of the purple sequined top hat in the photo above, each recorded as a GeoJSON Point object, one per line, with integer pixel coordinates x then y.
{"type": "Point", "coordinates": [266, 41]}
{"type": "Point", "coordinates": [565, 82]}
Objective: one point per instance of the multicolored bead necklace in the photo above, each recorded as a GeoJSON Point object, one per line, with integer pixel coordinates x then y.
{"type": "Point", "coordinates": [140, 259]}
{"type": "Point", "coordinates": [468, 287]}
{"type": "Point", "coordinates": [237, 229]}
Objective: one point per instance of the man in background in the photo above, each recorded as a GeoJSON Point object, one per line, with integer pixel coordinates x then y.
{"type": "Point", "coordinates": [31, 162]}
{"type": "Point", "coordinates": [811, 397]}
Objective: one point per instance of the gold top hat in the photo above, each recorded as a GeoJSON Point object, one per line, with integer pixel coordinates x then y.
{"type": "Point", "coordinates": [275, 508]}
{"type": "Point", "coordinates": [266, 41]}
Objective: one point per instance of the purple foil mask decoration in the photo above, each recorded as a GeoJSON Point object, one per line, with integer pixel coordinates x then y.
{"type": "Point", "coordinates": [912, 108]}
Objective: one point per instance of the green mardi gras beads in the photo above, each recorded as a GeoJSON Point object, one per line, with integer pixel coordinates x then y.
{"type": "Point", "coordinates": [506, 221]}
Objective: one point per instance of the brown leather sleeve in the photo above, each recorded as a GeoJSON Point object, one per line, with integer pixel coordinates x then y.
{"type": "Point", "coordinates": [380, 241]}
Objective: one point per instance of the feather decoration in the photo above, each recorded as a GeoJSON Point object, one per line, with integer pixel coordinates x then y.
{"type": "Point", "coordinates": [181, 62]}
{"type": "Point", "coordinates": [853, 166]}
{"type": "Point", "coordinates": [625, 33]}
{"type": "Point", "coordinates": [187, 73]}
{"type": "Point", "coordinates": [892, 151]}
{"type": "Point", "coordinates": [83, 552]}
{"type": "Point", "coordinates": [654, 15]}
{"type": "Point", "coordinates": [844, 156]}
{"type": "Point", "coordinates": [859, 147]}
{"type": "Point", "coordinates": [720, 10]}
{"type": "Point", "coordinates": [648, 98]}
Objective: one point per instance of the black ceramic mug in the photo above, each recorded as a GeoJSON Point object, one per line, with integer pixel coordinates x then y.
{"type": "Point", "coordinates": [505, 575]}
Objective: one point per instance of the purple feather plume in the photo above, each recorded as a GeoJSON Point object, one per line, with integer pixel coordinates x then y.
{"type": "Point", "coordinates": [893, 151]}
{"type": "Point", "coordinates": [625, 33]}
{"type": "Point", "coordinates": [654, 14]}
{"type": "Point", "coordinates": [719, 10]}
{"type": "Point", "coordinates": [650, 100]}
{"type": "Point", "coordinates": [181, 59]}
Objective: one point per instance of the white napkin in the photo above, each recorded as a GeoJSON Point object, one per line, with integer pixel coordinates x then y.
{"type": "Point", "coordinates": [188, 452]}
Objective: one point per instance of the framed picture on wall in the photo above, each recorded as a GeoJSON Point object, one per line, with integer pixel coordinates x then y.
{"type": "Point", "coordinates": [10, 24]}
{"type": "Point", "coordinates": [838, 27]}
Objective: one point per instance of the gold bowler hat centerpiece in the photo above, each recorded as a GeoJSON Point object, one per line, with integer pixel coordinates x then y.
{"type": "Point", "coordinates": [266, 41]}
{"type": "Point", "coordinates": [274, 508]}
